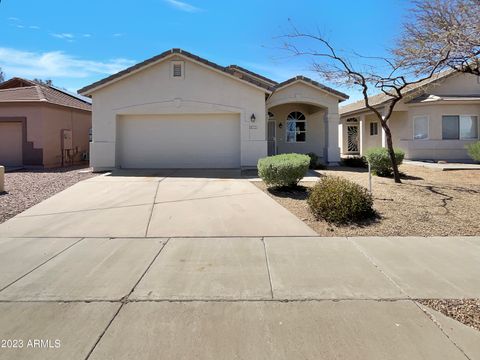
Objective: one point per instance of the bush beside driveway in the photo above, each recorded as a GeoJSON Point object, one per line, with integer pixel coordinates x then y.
{"type": "Point", "coordinates": [428, 203]}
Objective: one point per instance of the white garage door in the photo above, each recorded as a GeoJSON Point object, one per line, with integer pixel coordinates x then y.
{"type": "Point", "coordinates": [11, 144]}
{"type": "Point", "coordinates": [179, 141]}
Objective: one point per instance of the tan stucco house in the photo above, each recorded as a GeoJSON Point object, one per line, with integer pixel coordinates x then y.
{"type": "Point", "coordinates": [177, 110]}
{"type": "Point", "coordinates": [42, 126]}
{"type": "Point", "coordinates": [436, 121]}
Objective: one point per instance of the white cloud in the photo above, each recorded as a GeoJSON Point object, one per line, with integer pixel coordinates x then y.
{"type": "Point", "coordinates": [20, 26]}
{"type": "Point", "coordinates": [34, 27]}
{"type": "Point", "coordinates": [117, 35]}
{"type": "Point", "coordinates": [65, 36]}
{"type": "Point", "coordinates": [87, 35]}
{"type": "Point", "coordinates": [56, 64]}
{"type": "Point", "coordinates": [183, 6]}
{"type": "Point", "coordinates": [13, 18]}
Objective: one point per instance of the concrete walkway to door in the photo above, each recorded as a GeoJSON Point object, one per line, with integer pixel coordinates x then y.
{"type": "Point", "coordinates": [159, 204]}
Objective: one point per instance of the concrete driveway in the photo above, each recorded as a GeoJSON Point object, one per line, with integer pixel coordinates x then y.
{"type": "Point", "coordinates": [158, 204]}
{"type": "Point", "coordinates": [189, 265]}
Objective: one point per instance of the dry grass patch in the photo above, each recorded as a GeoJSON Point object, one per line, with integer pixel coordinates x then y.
{"type": "Point", "coordinates": [428, 203]}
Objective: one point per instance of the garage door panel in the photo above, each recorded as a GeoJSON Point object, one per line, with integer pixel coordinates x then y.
{"type": "Point", "coordinates": [179, 141]}
{"type": "Point", "coordinates": [11, 144]}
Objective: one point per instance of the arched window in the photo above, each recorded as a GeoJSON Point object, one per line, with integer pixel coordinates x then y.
{"type": "Point", "coordinates": [352, 120]}
{"type": "Point", "coordinates": [296, 127]}
{"type": "Point", "coordinates": [271, 116]}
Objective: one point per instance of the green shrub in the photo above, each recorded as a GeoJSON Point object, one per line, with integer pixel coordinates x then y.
{"type": "Point", "coordinates": [474, 151]}
{"type": "Point", "coordinates": [380, 160]}
{"type": "Point", "coordinates": [315, 163]}
{"type": "Point", "coordinates": [284, 170]}
{"type": "Point", "coordinates": [313, 160]}
{"type": "Point", "coordinates": [338, 200]}
{"type": "Point", "coordinates": [356, 162]}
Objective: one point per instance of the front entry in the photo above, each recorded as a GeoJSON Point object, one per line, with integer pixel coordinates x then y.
{"type": "Point", "coordinates": [352, 139]}
{"type": "Point", "coordinates": [271, 136]}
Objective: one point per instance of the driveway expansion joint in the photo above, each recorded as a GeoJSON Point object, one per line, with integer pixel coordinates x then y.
{"type": "Point", "coordinates": [43, 263]}
{"type": "Point", "coordinates": [268, 266]}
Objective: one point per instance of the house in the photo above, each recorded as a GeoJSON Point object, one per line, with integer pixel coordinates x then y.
{"type": "Point", "coordinates": [436, 121]}
{"type": "Point", "coordinates": [41, 125]}
{"type": "Point", "coordinates": [178, 110]}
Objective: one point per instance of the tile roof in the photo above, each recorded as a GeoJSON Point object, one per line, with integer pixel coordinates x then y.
{"type": "Point", "coordinates": [235, 70]}
{"type": "Point", "coordinates": [163, 55]}
{"type": "Point", "coordinates": [39, 93]}
{"type": "Point", "coordinates": [380, 99]}
{"type": "Point", "coordinates": [251, 73]}
{"type": "Point", "coordinates": [312, 82]}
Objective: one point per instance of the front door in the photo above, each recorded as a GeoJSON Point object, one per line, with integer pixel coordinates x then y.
{"type": "Point", "coordinates": [352, 139]}
{"type": "Point", "coordinates": [271, 136]}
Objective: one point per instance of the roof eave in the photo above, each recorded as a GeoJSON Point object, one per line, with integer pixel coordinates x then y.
{"type": "Point", "coordinates": [88, 90]}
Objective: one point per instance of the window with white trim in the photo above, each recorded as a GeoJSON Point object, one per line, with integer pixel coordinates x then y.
{"type": "Point", "coordinates": [459, 127]}
{"type": "Point", "coordinates": [373, 128]}
{"type": "Point", "coordinates": [420, 127]}
{"type": "Point", "coordinates": [296, 127]}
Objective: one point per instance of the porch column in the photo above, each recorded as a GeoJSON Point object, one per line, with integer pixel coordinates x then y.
{"type": "Point", "coordinates": [332, 151]}
{"type": "Point", "coordinates": [384, 136]}
{"type": "Point", "coordinates": [361, 134]}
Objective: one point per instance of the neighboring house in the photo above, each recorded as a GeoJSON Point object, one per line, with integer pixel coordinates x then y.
{"type": "Point", "coordinates": [177, 110]}
{"type": "Point", "coordinates": [41, 125]}
{"type": "Point", "coordinates": [436, 121]}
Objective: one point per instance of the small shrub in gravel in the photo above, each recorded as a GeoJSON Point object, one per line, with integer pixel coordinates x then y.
{"type": "Point", "coordinates": [474, 151]}
{"type": "Point", "coordinates": [315, 163]}
{"type": "Point", "coordinates": [379, 160]}
{"type": "Point", "coordinates": [284, 170]}
{"type": "Point", "coordinates": [355, 162]}
{"type": "Point", "coordinates": [338, 200]}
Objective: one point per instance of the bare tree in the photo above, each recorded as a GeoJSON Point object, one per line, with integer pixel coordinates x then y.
{"type": "Point", "coordinates": [437, 28]}
{"type": "Point", "coordinates": [2, 76]}
{"type": "Point", "coordinates": [46, 82]}
{"type": "Point", "coordinates": [388, 78]}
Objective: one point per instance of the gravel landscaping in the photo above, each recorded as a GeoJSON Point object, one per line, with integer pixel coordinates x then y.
{"type": "Point", "coordinates": [466, 311]}
{"type": "Point", "coordinates": [428, 203]}
{"type": "Point", "coordinates": [26, 188]}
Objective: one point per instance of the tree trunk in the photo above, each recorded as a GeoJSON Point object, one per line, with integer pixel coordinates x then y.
{"type": "Point", "coordinates": [391, 152]}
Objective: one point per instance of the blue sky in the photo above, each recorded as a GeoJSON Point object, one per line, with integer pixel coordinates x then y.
{"type": "Point", "coordinates": [75, 42]}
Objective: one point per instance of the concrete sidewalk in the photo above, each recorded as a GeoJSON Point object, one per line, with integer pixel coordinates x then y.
{"type": "Point", "coordinates": [257, 297]}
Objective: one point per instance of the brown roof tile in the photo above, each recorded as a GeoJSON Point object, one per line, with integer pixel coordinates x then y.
{"type": "Point", "coordinates": [39, 93]}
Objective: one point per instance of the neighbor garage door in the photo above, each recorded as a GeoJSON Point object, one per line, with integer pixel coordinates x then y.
{"type": "Point", "coordinates": [179, 141]}
{"type": "Point", "coordinates": [11, 143]}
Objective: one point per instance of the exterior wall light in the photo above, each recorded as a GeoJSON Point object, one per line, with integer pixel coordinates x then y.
{"type": "Point", "coordinates": [253, 118]}
{"type": "Point", "coordinates": [280, 125]}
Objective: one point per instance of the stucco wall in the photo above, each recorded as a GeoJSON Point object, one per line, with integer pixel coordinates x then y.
{"type": "Point", "coordinates": [434, 147]}
{"type": "Point", "coordinates": [459, 84]}
{"type": "Point", "coordinates": [34, 115]}
{"type": "Point", "coordinates": [315, 129]}
{"type": "Point", "coordinates": [306, 95]}
{"type": "Point", "coordinates": [55, 120]}
{"type": "Point", "coordinates": [153, 91]}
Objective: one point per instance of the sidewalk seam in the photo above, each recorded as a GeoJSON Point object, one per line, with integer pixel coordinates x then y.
{"type": "Point", "coordinates": [124, 300]}
{"type": "Point", "coordinates": [439, 327]}
{"type": "Point", "coordinates": [43, 263]}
